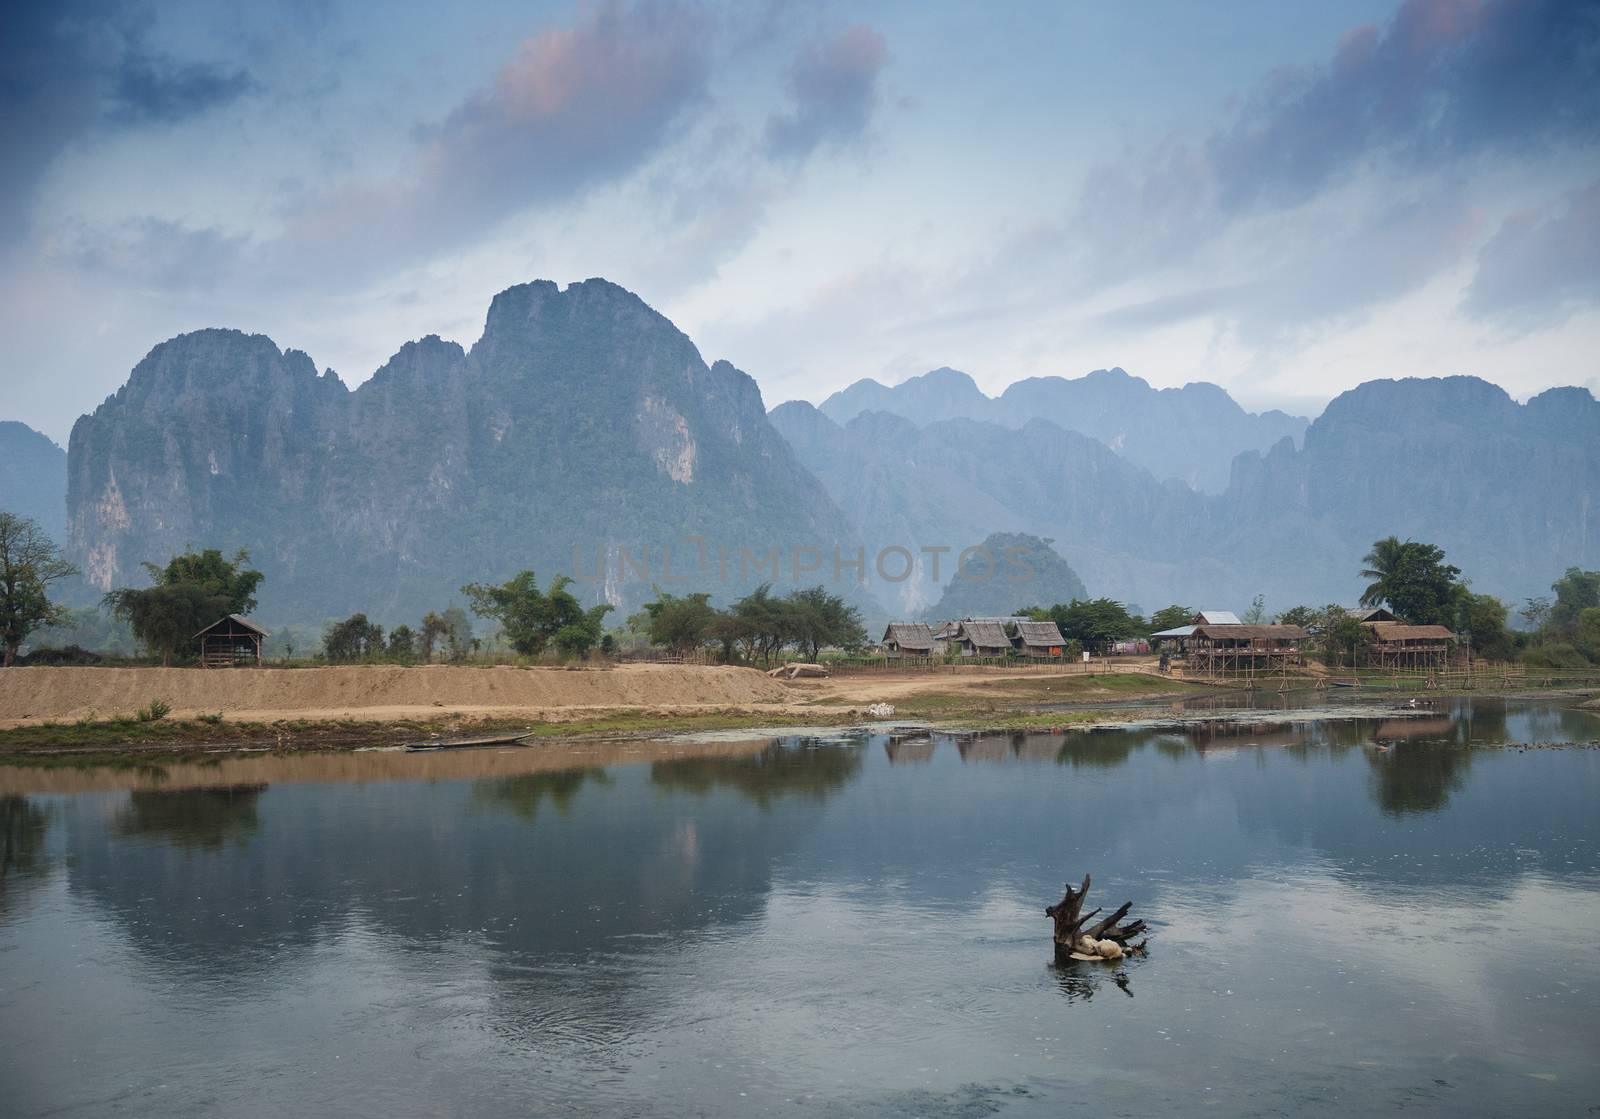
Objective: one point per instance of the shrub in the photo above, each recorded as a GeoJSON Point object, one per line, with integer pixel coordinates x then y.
{"type": "Point", "coordinates": [211, 720]}
{"type": "Point", "coordinates": [159, 709]}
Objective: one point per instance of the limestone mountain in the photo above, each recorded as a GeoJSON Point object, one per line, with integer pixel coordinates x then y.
{"type": "Point", "coordinates": [1508, 490]}
{"type": "Point", "coordinates": [1189, 433]}
{"type": "Point", "coordinates": [581, 422]}
{"type": "Point", "coordinates": [33, 478]}
{"type": "Point", "coordinates": [1008, 571]}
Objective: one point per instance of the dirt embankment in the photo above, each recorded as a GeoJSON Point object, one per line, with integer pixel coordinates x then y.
{"type": "Point", "coordinates": [31, 695]}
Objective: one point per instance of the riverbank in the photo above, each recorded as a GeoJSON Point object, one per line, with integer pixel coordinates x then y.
{"type": "Point", "coordinates": [72, 712]}
{"type": "Point", "coordinates": [52, 716]}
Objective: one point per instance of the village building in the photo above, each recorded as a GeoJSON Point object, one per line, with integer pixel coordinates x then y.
{"type": "Point", "coordinates": [1177, 638]}
{"type": "Point", "coordinates": [908, 639]}
{"type": "Point", "coordinates": [230, 641]}
{"type": "Point", "coordinates": [1039, 639]}
{"type": "Point", "coordinates": [985, 638]}
{"type": "Point", "coordinates": [1397, 645]}
{"type": "Point", "coordinates": [1237, 647]}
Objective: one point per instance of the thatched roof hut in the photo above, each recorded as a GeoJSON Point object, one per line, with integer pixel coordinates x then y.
{"type": "Point", "coordinates": [1039, 639]}
{"type": "Point", "coordinates": [908, 639]}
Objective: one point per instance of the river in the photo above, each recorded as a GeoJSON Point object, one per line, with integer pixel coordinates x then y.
{"type": "Point", "coordinates": [1348, 915]}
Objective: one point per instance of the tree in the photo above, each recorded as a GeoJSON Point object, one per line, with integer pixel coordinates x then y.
{"type": "Point", "coordinates": [1576, 591]}
{"type": "Point", "coordinates": [402, 643]}
{"type": "Point", "coordinates": [1481, 619]}
{"type": "Point", "coordinates": [226, 579]}
{"type": "Point", "coordinates": [680, 623]}
{"type": "Point", "coordinates": [761, 623]}
{"type": "Point", "coordinates": [192, 591]}
{"type": "Point", "coordinates": [1535, 613]}
{"type": "Point", "coordinates": [1343, 636]}
{"type": "Point", "coordinates": [433, 628]}
{"type": "Point", "coordinates": [353, 639]}
{"type": "Point", "coordinates": [816, 618]}
{"type": "Point", "coordinates": [1170, 617]}
{"type": "Point", "coordinates": [1095, 624]}
{"type": "Point", "coordinates": [1303, 616]}
{"type": "Point", "coordinates": [1257, 612]}
{"type": "Point", "coordinates": [29, 563]}
{"type": "Point", "coordinates": [531, 619]}
{"type": "Point", "coordinates": [1411, 579]}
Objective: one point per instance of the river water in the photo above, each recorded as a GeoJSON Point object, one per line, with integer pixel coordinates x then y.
{"type": "Point", "coordinates": [1348, 915]}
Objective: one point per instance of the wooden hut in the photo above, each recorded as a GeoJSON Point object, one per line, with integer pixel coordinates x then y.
{"type": "Point", "coordinates": [908, 639]}
{"type": "Point", "coordinates": [1231, 648]}
{"type": "Point", "coordinates": [1397, 645]}
{"type": "Point", "coordinates": [1039, 639]}
{"type": "Point", "coordinates": [230, 641]}
{"type": "Point", "coordinates": [982, 639]}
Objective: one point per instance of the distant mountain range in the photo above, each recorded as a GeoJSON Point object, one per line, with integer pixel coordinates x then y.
{"type": "Point", "coordinates": [582, 421]}
{"type": "Point", "coordinates": [33, 477]}
{"type": "Point", "coordinates": [1508, 490]}
{"type": "Point", "coordinates": [1190, 433]}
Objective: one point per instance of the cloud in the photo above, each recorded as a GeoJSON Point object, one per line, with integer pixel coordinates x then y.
{"type": "Point", "coordinates": [835, 87]}
{"type": "Point", "coordinates": [168, 255]}
{"type": "Point", "coordinates": [574, 107]}
{"type": "Point", "coordinates": [1540, 265]}
{"type": "Point", "coordinates": [1446, 79]}
{"type": "Point", "coordinates": [67, 69]}
{"type": "Point", "coordinates": [153, 87]}
{"type": "Point", "coordinates": [1334, 187]}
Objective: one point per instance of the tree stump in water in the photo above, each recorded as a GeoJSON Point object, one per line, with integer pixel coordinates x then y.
{"type": "Point", "coordinates": [1106, 939]}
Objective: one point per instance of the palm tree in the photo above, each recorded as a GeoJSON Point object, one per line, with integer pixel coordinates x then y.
{"type": "Point", "coordinates": [1383, 564]}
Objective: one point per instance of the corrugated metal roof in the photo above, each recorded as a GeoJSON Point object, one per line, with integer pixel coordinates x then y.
{"type": "Point", "coordinates": [1180, 631]}
{"type": "Point", "coordinates": [1219, 618]}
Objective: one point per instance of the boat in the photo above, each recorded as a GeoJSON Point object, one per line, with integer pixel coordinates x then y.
{"type": "Point", "coordinates": [464, 743]}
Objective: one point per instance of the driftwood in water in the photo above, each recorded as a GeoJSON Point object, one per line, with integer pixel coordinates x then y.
{"type": "Point", "coordinates": [1106, 939]}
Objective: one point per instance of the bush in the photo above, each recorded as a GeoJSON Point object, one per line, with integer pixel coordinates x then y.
{"type": "Point", "coordinates": [211, 720]}
{"type": "Point", "coordinates": [159, 709]}
{"type": "Point", "coordinates": [1555, 655]}
{"type": "Point", "coordinates": [71, 654]}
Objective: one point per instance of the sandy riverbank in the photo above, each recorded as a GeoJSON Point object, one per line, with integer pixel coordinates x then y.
{"type": "Point", "coordinates": [376, 693]}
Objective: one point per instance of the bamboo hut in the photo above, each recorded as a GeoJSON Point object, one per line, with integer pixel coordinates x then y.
{"type": "Point", "coordinates": [230, 641]}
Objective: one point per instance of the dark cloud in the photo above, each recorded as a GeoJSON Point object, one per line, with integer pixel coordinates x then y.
{"type": "Point", "coordinates": [576, 106]}
{"type": "Point", "coordinates": [835, 87]}
{"type": "Point", "coordinates": [1444, 80]}
{"type": "Point", "coordinates": [157, 88]}
{"type": "Point", "coordinates": [1540, 265]}
{"type": "Point", "coordinates": [69, 68]}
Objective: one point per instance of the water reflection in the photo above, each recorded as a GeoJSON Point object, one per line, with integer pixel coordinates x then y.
{"type": "Point", "coordinates": [804, 926]}
{"type": "Point", "coordinates": [803, 768]}
{"type": "Point", "coordinates": [1081, 981]}
{"type": "Point", "coordinates": [523, 795]}
{"type": "Point", "coordinates": [205, 818]}
{"type": "Point", "coordinates": [22, 831]}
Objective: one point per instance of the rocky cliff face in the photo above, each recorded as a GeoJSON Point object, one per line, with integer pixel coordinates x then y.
{"type": "Point", "coordinates": [581, 420]}
{"type": "Point", "coordinates": [33, 478]}
{"type": "Point", "coordinates": [1189, 433]}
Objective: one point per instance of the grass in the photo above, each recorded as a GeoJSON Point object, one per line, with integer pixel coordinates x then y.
{"type": "Point", "coordinates": [1001, 700]}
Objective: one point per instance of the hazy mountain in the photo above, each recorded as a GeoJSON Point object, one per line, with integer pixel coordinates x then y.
{"type": "Point", "coordinates": [1189, 433]}
{"type": "Point", "coordinates": [1005, 572]}
{"type": "Point", "coordinates": [33, 478]}
{"type": "Point", "coordinates": [950, 484]}
{"type": "Point", "coordinates": [1509, 491]}
{"type": "Point", "coordinates": [581, 419]}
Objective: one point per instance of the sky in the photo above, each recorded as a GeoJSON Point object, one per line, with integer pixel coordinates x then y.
{"type": "Point", "coordinates": [1284, 199]}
